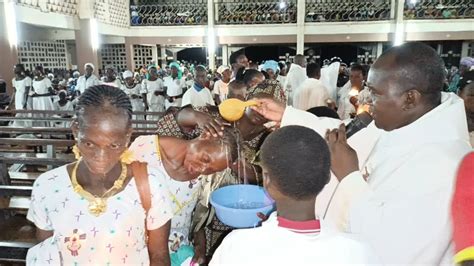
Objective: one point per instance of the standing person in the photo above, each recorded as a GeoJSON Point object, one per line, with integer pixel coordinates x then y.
{"type": "Point", "coordinates": [154, 87]}
{"type": "Point", "coordinates": [466, 92]}
{"type": "Point", "coordinates": [296, 76]}
{"type": "Point", "coordinates": [21, 87]}
{"type": "Point", "coordinates": [400, 171]}
{"type": "Point", "coordinates": [41, 94]}
{"type": "Point", "coordinates": [136, 94]}
{"type": "Point", "coordinates": [292, 235]}
{"type": "Point", "coordinates": [349, 94]}
{"type": "Point", "coordinates": [282, 73]}
{"type": "Point", "coordinates": [88, 79]}
{"type": "Point", "coordinates": [128, 223]}
{"type": "Point", "coordinates": [221, 89]}
{"type": "Point", "coordinates": [465, 65]}
{"type": "Point", "coordinates": [110, 77]}
{"type": "Point", "coordinates": [312, 92]}
{"type": "Point", "coordinates": [174, 85]}
{"type": "Point", "coordinates": [271, 67]}
{"type": "Point", "coordinates": [199, 94]}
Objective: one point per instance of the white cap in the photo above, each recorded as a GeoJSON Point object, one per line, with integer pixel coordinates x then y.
{"type": "Point", "coordinates": [222, 68]}
{"type": "Point", "coordinates": [89, 64]}
{"type": "Point", "coordinates": [127, 74]}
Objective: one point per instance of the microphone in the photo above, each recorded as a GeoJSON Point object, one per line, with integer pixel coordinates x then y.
{"type": "Point", "coordinates": [359, 122]}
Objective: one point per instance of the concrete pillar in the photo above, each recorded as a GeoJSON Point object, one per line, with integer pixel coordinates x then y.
{"type": "Point", "coordinates": [225, 55]}
{"type": "Point", "coordinates": [379, 49]}
{"type": "Point", "coordinates": [129, 53]}
{"type": "Point", "coordinates": [465, 49]}
{"type": "Point", "coordinates": [300, 20]}
{"type": "Point", "coordinates": [84, 50]}
{"type": "Point", "coordinates": [211, 38]}
{"type": "Point", "coordinates": [8, 52]}
{"type": "Point", "coordinates": [154, 54]}
{"type": "Point", "coordinates": [399, 31]}
{"type": "Point", "coordinates": [163, 57]}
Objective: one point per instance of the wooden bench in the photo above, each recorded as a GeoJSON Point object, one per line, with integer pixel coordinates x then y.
{"type": "Point", "coordinates": [14, 251]}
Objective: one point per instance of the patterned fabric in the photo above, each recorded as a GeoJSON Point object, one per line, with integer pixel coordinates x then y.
{"type": "Point", "coordinates": [183, 195]}
{"type": "Point", "coordinates": [203, 214]}
{"type": "Point", "coordinates": [268, 86]}
{"type": "Point", "coordinates": [115, 237]}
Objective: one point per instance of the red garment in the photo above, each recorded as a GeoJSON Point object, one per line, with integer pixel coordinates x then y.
{"type": "Point", "coordinates": [463, 205]}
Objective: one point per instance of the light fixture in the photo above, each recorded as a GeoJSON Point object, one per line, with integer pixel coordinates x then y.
{"type": "Point", "coordinates": [94, 34]}
{"type": "Point", "coordinates": [413, 2]}
{"type": "Point", "coordinates": [10, 19]}
{"type": "Point", "coordinates": [282, 5]}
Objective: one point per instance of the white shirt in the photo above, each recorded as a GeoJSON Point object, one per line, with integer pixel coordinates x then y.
{"type": "Point", "coordinates": [222, 89]}
{"type": "Point", "coordinates": [174, 87]}
{"type": "Point", "coordinates": [294, 78]}
{"type": "Point", "coordinates": [271, 244]}
{"type": "Point", "coordinates": [311, 93]}
{"type": "Point", "coordinates": [83, 83]}
{"type": "Point", "coordinates": [403, 211]}
{"type": "Point", "coordinates": [115, 237]}
{"type": "Point", "coordinates": [198, 98]}
{"type": "Point", "coordinates": [155, 103]}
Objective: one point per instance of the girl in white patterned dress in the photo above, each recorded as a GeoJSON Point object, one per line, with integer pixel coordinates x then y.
{"type": "Point", "coordinates": [91, 211]}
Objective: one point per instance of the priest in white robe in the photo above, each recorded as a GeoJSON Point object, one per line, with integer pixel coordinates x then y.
{"type": "Point", "coordinates": [396, 178]}
{"type": "Point", "coordinates": [296, 76]}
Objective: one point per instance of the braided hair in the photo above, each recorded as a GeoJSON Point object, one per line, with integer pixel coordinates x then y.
{"type": "Point", "coordinates": [247, 75]}
{"type": "Point", "coordinates": [103, 97]}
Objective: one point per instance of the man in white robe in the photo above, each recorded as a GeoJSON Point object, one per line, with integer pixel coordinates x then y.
{"type": "Point", "coordinates": [296, 76]}
{"type": "Point", "coordinates": [396, 189]}
{"type": "Point", "coordinates": [311, 93]}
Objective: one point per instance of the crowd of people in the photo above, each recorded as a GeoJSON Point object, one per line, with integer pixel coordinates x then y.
{"type": "Point", "coordinates": [347, 189]}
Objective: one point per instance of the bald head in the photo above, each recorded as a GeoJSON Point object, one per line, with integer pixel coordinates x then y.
{"type": "Point", "coordinates": [300, 60]}
{"type": "Point", "coordinates": [414, 66]}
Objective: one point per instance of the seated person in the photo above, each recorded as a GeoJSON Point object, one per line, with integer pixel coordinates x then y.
{"type": "Point", "coordinates": [292, 235]}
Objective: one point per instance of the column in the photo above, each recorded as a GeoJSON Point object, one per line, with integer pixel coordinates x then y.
{"type": "Point", "coordinates": [399, 33]}
{"type": "Point", "coordinates": [154, 54]}
{"type": "Point", "coordinates": [85, 49]}
{"type": "Point", "coordinates": [379, 49]}
{"type": "Point", "coordinates": [300, 20]}
{"type": "Point", "coordinates": [163, 57]}
{"type": "Point", "coordinates": [211, 38]}
{"type": "Point", "coordinates": [465, 49]}
{"type": "Point", "coordinates": [225, 55]}
{"type": "Point", "coordinates": [8, 48]}
{"type": "Point", "coordinates": [129, 53]}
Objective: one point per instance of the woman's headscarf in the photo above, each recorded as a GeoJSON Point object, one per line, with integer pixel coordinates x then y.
{"type": "Point", "coordinates": [177, 66]}
{"type": "Point", "coordinates": [271, 64]}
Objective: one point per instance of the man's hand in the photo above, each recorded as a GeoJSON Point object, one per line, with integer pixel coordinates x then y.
{"type": "Point", "coordinates": [343, 158]}
{"type": "Point", "coordinates": [269, 108]}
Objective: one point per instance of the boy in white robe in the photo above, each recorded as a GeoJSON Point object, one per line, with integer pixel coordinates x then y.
{"type": "Point", "coordinates": [292, 235]}
{"type": "Point", "coordinates": [395, 188]}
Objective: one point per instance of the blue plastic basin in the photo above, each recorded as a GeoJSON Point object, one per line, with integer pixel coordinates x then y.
{"type": "Point", "coordinates": [237, 205]}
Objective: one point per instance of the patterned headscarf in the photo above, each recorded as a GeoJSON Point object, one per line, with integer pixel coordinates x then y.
{"type": "Point", "coordinates": [271, 64]}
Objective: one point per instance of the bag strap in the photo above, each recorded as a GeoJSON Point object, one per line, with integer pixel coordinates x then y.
{"type": "Point", "coordinates": [140, 173]}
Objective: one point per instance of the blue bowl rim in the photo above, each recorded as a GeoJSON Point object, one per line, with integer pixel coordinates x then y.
{"type": "Point", "coordinates": [272, 202]}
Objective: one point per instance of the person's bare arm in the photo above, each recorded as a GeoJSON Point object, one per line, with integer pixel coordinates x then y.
{"type": "Point", "coordinates": [158, 245]}
{"type": "Point", "coordinates": [188, 118]}
{"type": "Point", "coordinates": [41, 235]}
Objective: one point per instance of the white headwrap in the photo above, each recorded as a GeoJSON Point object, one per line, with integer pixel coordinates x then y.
{"type": "Point", "coordinates": [127, 74]}
{"type": "Point", "coordinates": [89, 64]}
{"type": "Point", "coordinates": [221, 69]}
